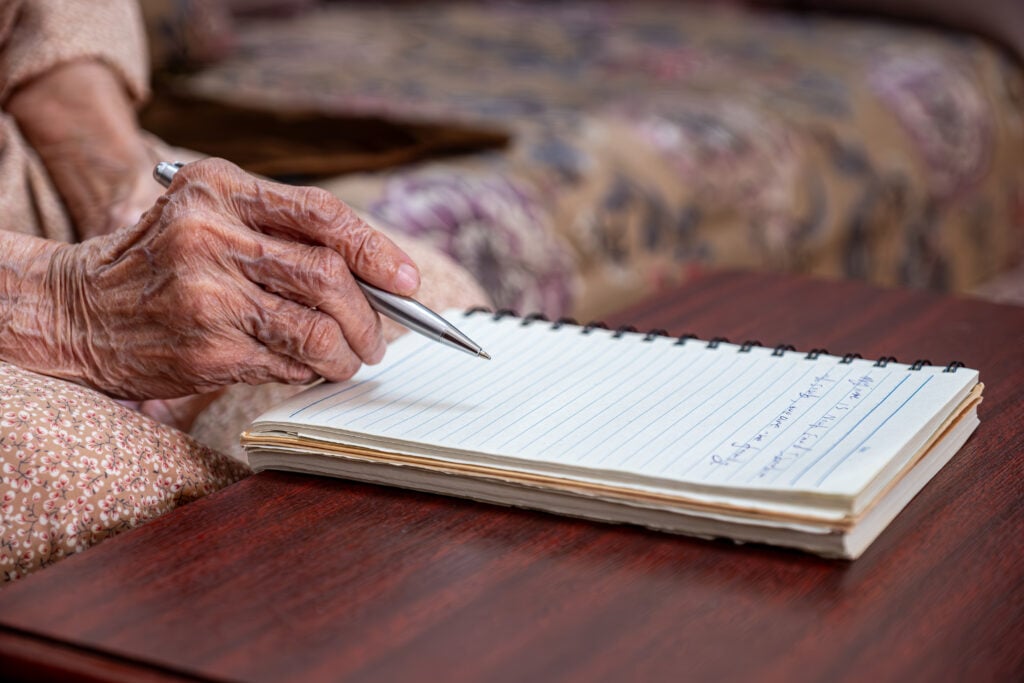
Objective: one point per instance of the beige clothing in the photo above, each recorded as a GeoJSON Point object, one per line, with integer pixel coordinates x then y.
{"type": "Point", "coordinates": [38, 35]}
{"type": "Point", "coordinates": [35, 36]}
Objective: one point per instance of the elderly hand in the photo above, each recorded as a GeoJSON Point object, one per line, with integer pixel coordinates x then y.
{"type": "Point", "coordinates": [226, 279]}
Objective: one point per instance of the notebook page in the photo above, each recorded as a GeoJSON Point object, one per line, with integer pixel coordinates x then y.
{"type": "Point", "coordinates": [561, 401]}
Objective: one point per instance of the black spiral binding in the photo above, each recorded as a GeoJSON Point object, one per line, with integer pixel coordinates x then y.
{"type": "Point", "coordinates": [532, 317]}
{"type": "Point", "coordinates": [683, 338]}
{"type": "Point", "coordinates": [713, 343]}
{"type": "Point", "coordinates": [781, 349]}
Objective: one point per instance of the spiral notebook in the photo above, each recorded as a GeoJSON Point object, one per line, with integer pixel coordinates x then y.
{"type": "Point", "coordinates": [706, 438]}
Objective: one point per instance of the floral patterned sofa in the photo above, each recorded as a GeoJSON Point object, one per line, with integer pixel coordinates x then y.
{"type": "Point", "coordinates": [647, 140]}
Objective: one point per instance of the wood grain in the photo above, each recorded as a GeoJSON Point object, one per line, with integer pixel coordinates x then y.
{"type": "Point", "coordinates": [294, 577]}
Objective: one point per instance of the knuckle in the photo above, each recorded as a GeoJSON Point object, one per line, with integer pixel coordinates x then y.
{"type": "Point", "coordinates": [319, 202]}
{"type": "Point", "coordinates": [317, 273]}
{"type": "Point", "coordinates": [293, 372]}
{"type": "Point", "coordinates": [207, 169]}
{"type": "Point", "coordinates": [262, 367]}
{"type": "Point", "coordinates": [321, 339]}
{"type": "Point", "coordinates": [320, 266]}
{"type": "Point", "coordinates": [367, 334]}
{"type": "Point", "coordinates": [367, 247]}
{"type": "Point", "coordinates": [314, 207]}
{"type": "Point", "coordinates": [208, 182]}
{"type": "Point", "coordinates": [270, 324]}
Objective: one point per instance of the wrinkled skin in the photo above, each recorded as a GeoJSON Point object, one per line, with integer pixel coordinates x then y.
{"type": "Point", "coordinates": [226, 279]}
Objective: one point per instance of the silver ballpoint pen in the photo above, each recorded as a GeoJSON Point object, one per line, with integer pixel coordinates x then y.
{"type": "Point", "coordinates": [401, 309]}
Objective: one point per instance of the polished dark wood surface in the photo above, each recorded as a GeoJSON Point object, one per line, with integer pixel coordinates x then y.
{"type": "Point", "coordinates": [293, 577]}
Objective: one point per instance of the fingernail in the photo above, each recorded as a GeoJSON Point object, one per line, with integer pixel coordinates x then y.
{"type": "Point", "coordinates": [408, 278]}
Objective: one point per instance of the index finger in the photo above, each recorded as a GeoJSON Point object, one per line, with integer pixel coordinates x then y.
{"type": "Point", "coordinates": [313, 216]}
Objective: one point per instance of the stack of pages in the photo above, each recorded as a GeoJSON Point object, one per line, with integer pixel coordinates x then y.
{"type": "Point", "coordinates": [805, 450]}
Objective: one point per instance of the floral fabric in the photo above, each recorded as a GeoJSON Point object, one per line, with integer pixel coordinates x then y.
{"type": "Point", "coordinates": [651, 139]}
{"type": "Point", "coordinates": [77, 467]}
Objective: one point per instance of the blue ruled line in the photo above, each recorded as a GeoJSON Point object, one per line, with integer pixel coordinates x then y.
{"type": "Point", "coordinates": [873, 432]}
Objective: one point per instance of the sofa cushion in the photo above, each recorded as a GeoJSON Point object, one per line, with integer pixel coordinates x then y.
{"type": "Point", "coordinates": [648, 140]}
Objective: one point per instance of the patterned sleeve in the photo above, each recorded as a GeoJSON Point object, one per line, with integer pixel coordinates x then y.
{"type": "Point", "coordinates": [38, 35]}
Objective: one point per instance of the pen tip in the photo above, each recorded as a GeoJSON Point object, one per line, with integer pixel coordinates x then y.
{"type": "Point", "coordinates": [483, 354]}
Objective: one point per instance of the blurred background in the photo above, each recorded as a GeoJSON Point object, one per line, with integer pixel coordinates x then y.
{"type": "Point", "coordinates": [578, 156]}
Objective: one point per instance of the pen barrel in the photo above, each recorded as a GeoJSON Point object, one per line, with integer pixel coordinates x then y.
{"type": "Point", "coordinates": [404, 311]}
{"type": "Point", "coordinates": [418, 318]}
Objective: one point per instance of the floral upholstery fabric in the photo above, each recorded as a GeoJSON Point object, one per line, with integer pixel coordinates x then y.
{"type": "Point", "coordinates": [78, 467]}
{"type": "Point", "coordinates": [652, 139]}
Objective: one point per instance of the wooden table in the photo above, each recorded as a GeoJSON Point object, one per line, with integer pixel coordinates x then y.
{"type": "Point", "coordinates": [292, 577]}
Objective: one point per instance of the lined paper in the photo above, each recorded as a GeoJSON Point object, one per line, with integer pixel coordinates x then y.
{"type": "Point", "coordinates": [562, 398]}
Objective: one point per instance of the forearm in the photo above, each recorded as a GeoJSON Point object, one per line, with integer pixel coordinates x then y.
{"type": "Point", "coordinates": [73, 103]}
{"type": "Point", "coordinates": [80, 120]}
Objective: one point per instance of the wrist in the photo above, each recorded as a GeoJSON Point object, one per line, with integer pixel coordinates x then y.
{"type": "Point", "coordinates": [39, 287]}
